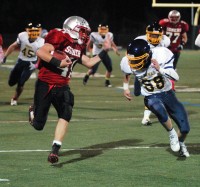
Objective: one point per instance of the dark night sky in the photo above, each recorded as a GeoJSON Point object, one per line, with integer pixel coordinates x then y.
{"type": "Point", "coordinates": [126, 20]}
{"type": "Point", "coordinates": [121, 17]}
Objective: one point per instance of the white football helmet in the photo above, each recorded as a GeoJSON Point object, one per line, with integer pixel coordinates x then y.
{"type": "Point", "coordinates": [78, 28]}
{"type": "Point", "coordinates": [174, 16]}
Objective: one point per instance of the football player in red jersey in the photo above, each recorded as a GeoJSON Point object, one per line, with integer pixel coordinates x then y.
{"type": "Point", "coordinates": [52, 86]}
{"type": "Point", "coordinates": [176, 29]}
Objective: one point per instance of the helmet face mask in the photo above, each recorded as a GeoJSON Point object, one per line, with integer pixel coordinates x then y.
{"type": "Point", "coordinates": [103, 29]}
{"type": "Point", "coordinates": [138, 53]}
{"type": "Point", "coordinates": [78, 28]}
{"type": "Point", "coordinates": [174, 16]}
{"type": "Point", "coordinates": [137, 63]}
{"type": "Point", "coordinates": [154, 33]}
{"type": "Point", "coordinates": [83, 35]}
{"type": "Point", "coordinates": [33, 31]}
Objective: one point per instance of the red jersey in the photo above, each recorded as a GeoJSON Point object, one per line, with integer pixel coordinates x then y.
{"type": "Point", "coordinates": [63, 42]}
{"type": "Point", "coordinates": [174, 32]}
{"type": "Point", "coordinates": [1, 40]}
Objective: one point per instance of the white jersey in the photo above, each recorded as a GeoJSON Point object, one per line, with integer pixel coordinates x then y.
{"type": "Point", "coordinates": [28, 49]}
{"type": "Point", "coordinates": [165, 42]}
{"type": "Point", "coordinates": [151, 80]}
{"type": "Point", "coordinates": [197, 40]}
{"type": "Point", "coordinates": [98, 41]}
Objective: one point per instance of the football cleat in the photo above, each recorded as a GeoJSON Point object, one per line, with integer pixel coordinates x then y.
{"type": "Point", "coordinates": [13, 102]}
{"type": "Point", "coordinates": [85, 79]}
{"type": "Point", "coordinates": [108, 84]}
{"type": "Point", "coordinates": [146, 119]}
{"type": "Point", "coordinates": [183, 150]}
{"type": "Point", "coordinates": [146, 122]}
{"type": "Point", "coordinates": [53, 158]}
{"type": "Point", "coordinates": [174, 142]}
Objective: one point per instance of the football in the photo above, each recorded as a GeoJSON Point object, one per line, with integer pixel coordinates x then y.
{"type": "Point", "coordinates": [60, 55]}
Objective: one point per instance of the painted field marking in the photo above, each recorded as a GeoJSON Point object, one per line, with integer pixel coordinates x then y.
{"type": "Point", "coordinates": [4, 180]}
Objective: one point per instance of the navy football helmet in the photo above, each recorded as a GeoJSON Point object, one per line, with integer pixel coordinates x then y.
{"type": "Point", "coordinates": [138, 53]}
{"type": "Point", "coordinates": [154, 33]}
{"type": "Point", "coordinates": [103, 29]}
{"type": "Point", "coordinates": [33, 31]}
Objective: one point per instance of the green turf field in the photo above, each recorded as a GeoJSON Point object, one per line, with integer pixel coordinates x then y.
{"type": "Point", "coordinates": [106, 145]}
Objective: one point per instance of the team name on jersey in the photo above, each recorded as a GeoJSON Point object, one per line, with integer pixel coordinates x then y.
{"type": "Point", "coordinates": [148, 75]}
{"type": "Point", "coordinates": [73, 52]}
{"type": "Point", "coordinates": [173, 29]}
{"type": "Point", "coordinates": [152, 73]}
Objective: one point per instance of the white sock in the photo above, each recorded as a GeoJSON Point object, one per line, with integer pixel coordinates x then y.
{"type": "Point", "coordinates": [147, 113]}
{"type": "Point", "coordinates": [172, 131]}
{"type": "Point", "coordinates": [57, 142]}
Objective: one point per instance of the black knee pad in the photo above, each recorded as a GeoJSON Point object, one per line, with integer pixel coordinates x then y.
{"type": "Point", "coordinates": [38, 125]}
{"type": "Point", "coordinates": [11, 83]}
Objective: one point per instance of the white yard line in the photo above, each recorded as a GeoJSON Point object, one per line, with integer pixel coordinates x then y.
{"type": "Point", "coordinates": [4, 180]}
{"type": "Point", "coordinates": [109, 119]}
{"type": "Point", "coordinates": [88, 149]}
{"type": "Point", "coordinates": [81, 149]}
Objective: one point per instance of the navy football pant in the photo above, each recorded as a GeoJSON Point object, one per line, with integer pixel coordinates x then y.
{"type": "Point", "coordinates": [20, 73]}
{"type": "Point", "coordinates": [106, 60]}
{"type": "Point", "coordinates": [166, 103]}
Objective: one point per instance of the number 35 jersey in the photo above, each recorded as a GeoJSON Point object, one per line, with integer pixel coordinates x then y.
{"type": "Point", "coordinates": [151, 80]}
{"type": "Point", "coordinates": [28, 49]}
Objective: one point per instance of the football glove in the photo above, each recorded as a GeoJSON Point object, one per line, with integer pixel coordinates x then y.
{"type": "Point", "coordinates": [32, 66]}
{"type": "Point", "coordinates": [180, 47]}
{"type": "Point", "coordinates": [4, 60]}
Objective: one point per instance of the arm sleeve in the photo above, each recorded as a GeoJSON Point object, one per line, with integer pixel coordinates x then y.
{"type": "Point", "coordinates": [169, 73]}
{"type": "Point", "coordinates": [125, 68]}
{"type": "Point", "coordinates": [137, 87]}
